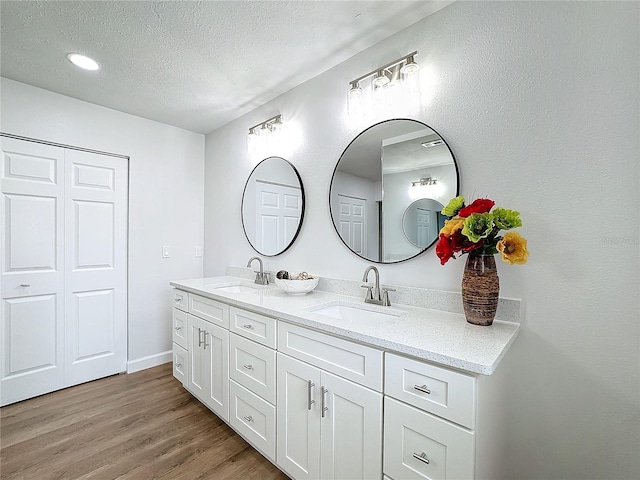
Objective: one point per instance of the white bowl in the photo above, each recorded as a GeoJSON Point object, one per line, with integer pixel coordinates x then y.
{"type": "Point", "coordinates": [297, 287]}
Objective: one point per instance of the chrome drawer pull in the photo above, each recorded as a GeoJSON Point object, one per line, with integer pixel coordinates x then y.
{"type": "Point", "coordinates": [178, 329]}
{"type": "Point", "coordinates": [248, 366]}
{"type": "Point", "coordinates": [423, 389]}
{"type": "Point", "coordinates": [248, 326]}
{"type": "Point", "coordinates": [178, 300]}
{"type": "Point", "coordinates": [248, 418]}
{"type": "Point", "coordinates": [323, 391]}
{"type": "Point", "coordinates": [25, 285]}
{"type": "Point", "coordinates": [310, 385]}
{"type": "Point", "coordinates": [200, 336]}
{"type": "Point", "coordinates": [422, 457]}
{"type": "Point", "coordinates": [178, 365]}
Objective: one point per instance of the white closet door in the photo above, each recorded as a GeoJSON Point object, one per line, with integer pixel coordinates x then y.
{"type": "Point", "coordinates": [96, 265]}
{"type": "Point", "coordinates": [278, 211]}
{"type": "Point", "coordinates": [352, 220]}
{"type": "Point", "coordinates": [32, 270]}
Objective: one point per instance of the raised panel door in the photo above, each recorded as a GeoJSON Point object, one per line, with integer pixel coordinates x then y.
{"type": "Point", "coordinates": [298, 418]}
{"type": "Point", "coordinates": [351, 430]}
{"type": "Point", "coordinates": [31, 269]}
{"type": "Point", "coordinates": [96, 265]}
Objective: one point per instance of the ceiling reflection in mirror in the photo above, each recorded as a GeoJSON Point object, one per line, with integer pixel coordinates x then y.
{"type": "Point", "coordinates": [385, 170]}
{"type": "Point", "coordinates": [272, 206]}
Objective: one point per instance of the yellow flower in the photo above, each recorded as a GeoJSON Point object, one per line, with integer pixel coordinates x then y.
{"type": "Point", "coordinates": [452, 226]}
{"type": "Point", "coordinates": [513, 248]}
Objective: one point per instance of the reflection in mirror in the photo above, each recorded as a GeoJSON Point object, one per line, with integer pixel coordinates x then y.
{"type": "Point", "coordinates": [422, 221]}
{"type": "Point", "coordinates": [383, 171]}
{"type": "Point", "coordinates": [272, 206]}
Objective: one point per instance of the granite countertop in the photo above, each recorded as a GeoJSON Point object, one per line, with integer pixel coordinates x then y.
{"type": "Point", "coordinates": [441, 337]}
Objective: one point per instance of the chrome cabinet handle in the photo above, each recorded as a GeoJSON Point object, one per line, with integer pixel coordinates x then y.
{"type": "Point", "coordinates": [200, 336]}
{"type": "Point", "coordinates": [248, 418]}
{"type": "Point", "coordinates": [178, 329]}
{"type": "Point", "coordinates": [205, 339]}
{"type": "Point", "coordinates": [310, 385]}
{"type": "Point", "coordinates": [25, 285]}
{"type": "Point", "coordinates": [423, 389]}
{"type": "Point", "coordinates": [178, 299]}
{"type": "Point", "coordinates": [178, 365]}
{"type": "Point", "coordinates": [324, 392]}
{"type": "Point", "coordinates": [422, 457]}
{"type": "Point", "coordinates": [248, 366]}
{"type": "Point", "coordinates": [248, 326]}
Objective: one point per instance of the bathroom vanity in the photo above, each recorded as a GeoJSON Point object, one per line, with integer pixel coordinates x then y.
{"type": "Point", "coordinates": [326, 386]}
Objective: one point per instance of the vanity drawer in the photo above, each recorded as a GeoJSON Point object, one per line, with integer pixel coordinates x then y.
{"type": "Point", "coordinates": [209, 310]}
{"type": "Point", "coordinates": [253, 366]}
{"type": "Point", "coordinates": [180, 327]}
{"type": "Point", "coordinates": [443, 392]}
{"type": "Point", "coordinates": [254, 418]}
{"type": "Point", "coordinates": [180, 300]}
{"type": "Point", "coordinates": [349, 360]}
{"type": "Point", "coordinates": [254, 326]}
{"type": "Point", "coordinates": [420, 445]}
{"type": "Point", "coordinates": [180, 364]}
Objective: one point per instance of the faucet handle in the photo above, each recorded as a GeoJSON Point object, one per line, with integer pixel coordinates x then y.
{"type": "Point", "coordinates": [385, 296]}
{"type": "Point", "coordinates": [369, 294]}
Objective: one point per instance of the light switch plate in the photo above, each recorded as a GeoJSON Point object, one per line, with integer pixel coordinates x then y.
{"type": "Point", "coordinates": [165, 252]}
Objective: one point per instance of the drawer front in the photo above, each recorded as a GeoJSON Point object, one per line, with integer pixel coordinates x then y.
{"type": "Point", "coordinates": [253, 366]}
{"type": "Point", "coordinates": [254, 326]}
{"type": "Point", "coordinates": [420, 445]}
{"type": "Point", "coordinates": [209, 310]}
{"type": "Point", "coordinates": [443, 392]}
{"type": "Point", "coordinates": [355, 362]}
{"type": "Point", "coordinates": [180, 299]}
{"type": "Point", "coordinates": [254, 418]}
{"type": "Point", "coordinates": [180, 328]}
{"type": "Point", "coordinates": [180, 364]}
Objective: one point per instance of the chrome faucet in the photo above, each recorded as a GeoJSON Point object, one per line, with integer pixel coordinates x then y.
{"type": "Point", "coordinates": [262, 277]}
{"type": "Point", "coordinates": [373, 294]}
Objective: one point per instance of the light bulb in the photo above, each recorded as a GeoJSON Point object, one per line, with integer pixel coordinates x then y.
{"type": "Point", "coordinates": [380, 79]}
{"type": "Point", "coordinates": [354, 100]}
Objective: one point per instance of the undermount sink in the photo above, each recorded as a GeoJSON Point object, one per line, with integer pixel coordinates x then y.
{"type": "Point", "coordinates": [356, 313]}
{"type": "Point", "coordinates": [235, 288]}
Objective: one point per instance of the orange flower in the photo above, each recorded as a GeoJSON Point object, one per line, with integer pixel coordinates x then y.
{"type": "Point", "coordinates": [513, 248]}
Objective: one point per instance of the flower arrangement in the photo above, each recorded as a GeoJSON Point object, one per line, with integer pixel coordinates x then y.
{"type": "Point", "coordinates": [475, 229]}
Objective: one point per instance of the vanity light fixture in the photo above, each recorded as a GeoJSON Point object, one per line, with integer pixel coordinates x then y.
{"type": "Point", "coordinates": [83, 61]}
{"type": "Point", "coordinates": [261, 135]}
{"type": "Point", "coordinates": [424, 182]}
{"type": "Point", "coordinates": [403, 71]}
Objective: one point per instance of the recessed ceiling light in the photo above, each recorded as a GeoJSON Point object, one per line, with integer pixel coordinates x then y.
{"type": "Point", "coordinates": [83, 61]}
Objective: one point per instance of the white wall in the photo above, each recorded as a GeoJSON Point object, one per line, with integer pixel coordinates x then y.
{"type": "Point", "coordinates": [539, 103]}
{"type": "Point", "coordinates": [166, 195]}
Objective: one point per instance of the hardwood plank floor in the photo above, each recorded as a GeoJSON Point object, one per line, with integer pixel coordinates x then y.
{"type": "Point", "coordinates": [139, 426]}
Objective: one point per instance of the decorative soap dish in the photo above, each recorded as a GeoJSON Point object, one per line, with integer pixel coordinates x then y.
{"type": "Point", "coordinates": [296, 283]}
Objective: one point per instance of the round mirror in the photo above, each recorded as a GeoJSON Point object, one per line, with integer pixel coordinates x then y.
{"type": "Point", "coordinates": [422, 221]}
{"type": "Point", "coordinates": [382, 172]}
{"type": "Point", "coordinates": [272, 206]}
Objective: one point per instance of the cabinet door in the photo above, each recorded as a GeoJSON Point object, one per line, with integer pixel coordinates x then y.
{"type": "Point", "coordinates": [351, 430]}
{"type": "Point", "coordinates": [216, 347]}
{"type": "Point", "coordinates": [298, 419]}
{"type": "Point", "coordinates": [199, 358]}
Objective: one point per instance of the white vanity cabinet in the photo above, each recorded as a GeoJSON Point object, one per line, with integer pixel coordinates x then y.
{"type": "Point", "coordinates": [328, 427]}
{"type": "Point", "coordinates": [432, 428]}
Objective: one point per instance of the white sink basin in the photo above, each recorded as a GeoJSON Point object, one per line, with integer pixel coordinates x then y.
{"type": "Point", "coordinates": [356, 313]}
{"type": "Point", "coordinates": [235, 288]}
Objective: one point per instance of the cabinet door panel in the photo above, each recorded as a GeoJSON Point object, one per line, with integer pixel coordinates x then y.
{"type": "Point", "coordinates": [199, 359]}
{"type": "Point", "coordinates": [298, 436]}
{"type": "Point", "coordinates": [351, 430]}
{"type": "Point", "coordinates": [216, 344]}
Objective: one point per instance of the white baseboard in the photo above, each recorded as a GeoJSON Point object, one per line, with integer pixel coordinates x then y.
{"type": "Point", "coordinates": [149, 362]}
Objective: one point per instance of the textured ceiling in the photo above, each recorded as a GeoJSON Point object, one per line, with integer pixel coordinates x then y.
{"type": "Point", "coordinates": [193, 64]}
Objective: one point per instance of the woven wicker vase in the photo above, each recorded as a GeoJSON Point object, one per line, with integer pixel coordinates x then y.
{"type": "Point", "coordinates": [480, 289]}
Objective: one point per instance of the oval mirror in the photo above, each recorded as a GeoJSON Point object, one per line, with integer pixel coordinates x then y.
{"type": "Point", "coordinates": [382, 172]}
{"type": "Point", "coordinates": [272, 206]}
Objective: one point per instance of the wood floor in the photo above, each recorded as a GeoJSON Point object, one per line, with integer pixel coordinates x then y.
{"type": "Point", "coordinates": [139, 426]}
